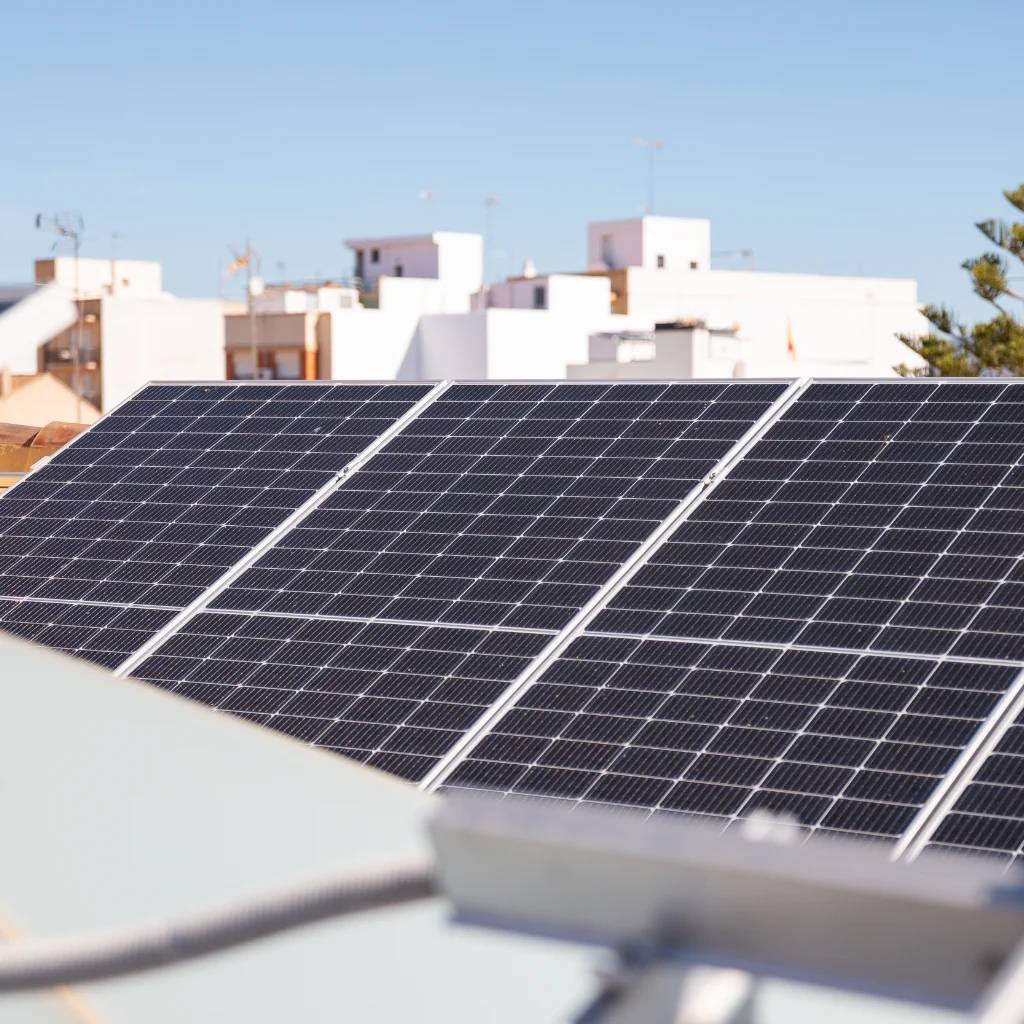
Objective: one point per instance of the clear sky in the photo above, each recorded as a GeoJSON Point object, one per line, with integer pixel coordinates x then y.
{"type": "Point", "coordinates": [831, 137]}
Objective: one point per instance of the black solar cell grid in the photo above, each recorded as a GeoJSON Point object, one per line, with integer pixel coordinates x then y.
{"type": "Point", "coordinates": [160, 497]}
{"type": "Point", "coordinates": [883, 517]}
{"type": "Point", "coordinates": [843, 742]}
{"type": "Point", "coordinates": [504, 504]}
{"type": "Point", "coordinates": [104, 634]}
{"type": "Point", "coordinates": [989, 814]}
{"type": "Point", "coordinates": [393, 695]}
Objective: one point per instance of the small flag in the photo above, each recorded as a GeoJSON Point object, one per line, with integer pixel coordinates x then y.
{"type": "Point", "coordinates": [790, 347]}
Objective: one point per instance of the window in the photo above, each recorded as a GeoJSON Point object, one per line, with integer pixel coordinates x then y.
{"type": "Point", "coordinates": [693, 264]}
{"type": "Point", "coordinates": [399, 270]}
{"type": "Point", "coordinates": [661, 261]}
{"type": "Point", "coordinates": [607, 257]}
{"type": "Point", "coordinates": [375, 255]}
{"type": "Point", "coordinates": [539, 297]}
{"type": "Point", "coordinates": [360, 268]}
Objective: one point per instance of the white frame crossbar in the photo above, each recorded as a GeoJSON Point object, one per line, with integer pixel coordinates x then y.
{"type": "Point", "coordinates": [437, 776]}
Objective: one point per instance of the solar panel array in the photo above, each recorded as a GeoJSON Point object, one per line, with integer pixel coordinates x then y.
{"type": "Point", "coordinates": [700, 597]}
{"type": "Point", "coordinates": [476, 515]}
{"type": "Point", "coordinates": [871, 522]}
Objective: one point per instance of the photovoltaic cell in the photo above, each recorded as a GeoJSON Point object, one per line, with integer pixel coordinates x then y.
{"type": "Point", "coordinates": [842, 741]}
{"type": "Point", "coordinates": [104, 634]}
{"type": "Point", "coordinates": [159, 498]}
{"type": "Point", "coordinates": [393, 695]}
{"type": "Point", "coordinates": [504, 504]}
{"type": "Point", "coordinates": [876, 517]}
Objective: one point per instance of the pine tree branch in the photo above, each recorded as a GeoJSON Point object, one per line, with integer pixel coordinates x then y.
{"type": "Point", "coordinates": [1016, 197]}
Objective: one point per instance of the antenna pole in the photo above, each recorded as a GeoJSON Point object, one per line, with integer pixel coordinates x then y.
{"type": "Point", "coordinates": [252, 311]}
{"type": "Point", "coordinates": [489, 203]}
{"type": "Point", "coordinates": [76, 348]}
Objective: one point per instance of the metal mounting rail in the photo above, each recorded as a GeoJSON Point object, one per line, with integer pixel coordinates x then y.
{"type": "Point", "coordinates": [625, 572]}
{"type": "Point", "coordinates": [268, 542]}
{"type": "Point", "coordinates": [962, 772]}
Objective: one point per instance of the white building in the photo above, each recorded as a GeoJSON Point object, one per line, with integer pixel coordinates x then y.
{"type": "Point", "coordinates": [125, 328]}
{"type": "Point", "coordinates": [783, 324]}
{"type": "Point", "coordinates": [451, 261]}
{"type": "Point", "coordinates": [421, 311]}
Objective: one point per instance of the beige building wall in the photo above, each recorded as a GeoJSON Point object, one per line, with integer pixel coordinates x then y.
{"type": "Point", "coordinates": [41, 398]}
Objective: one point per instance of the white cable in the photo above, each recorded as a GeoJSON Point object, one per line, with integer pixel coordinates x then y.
{"type": "Point", "coordinates": [44, 963]}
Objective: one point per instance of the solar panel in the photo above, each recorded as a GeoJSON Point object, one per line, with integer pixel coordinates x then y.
{"type": "Point", "coordinates": [504, 504]}
{"type": "Point", "coordinates": [393, 695]}
{"type": "Point", "coordinates": [155, 502]}
{"type": "Point", "coordinates": [879, 517]}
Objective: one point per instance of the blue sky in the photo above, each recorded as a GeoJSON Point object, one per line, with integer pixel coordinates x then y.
{"type": "Point", "coordinates": [837, 138]}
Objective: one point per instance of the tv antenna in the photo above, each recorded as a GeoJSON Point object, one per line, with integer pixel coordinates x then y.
{"type": "Point", "coordinates": [490, 202]}
{"type": "Point", "coordinates": [653, 147]}
{"type": "Point", "coordinates": [246, 258]}
{"type": "Point", "coordinates": [68, 227]}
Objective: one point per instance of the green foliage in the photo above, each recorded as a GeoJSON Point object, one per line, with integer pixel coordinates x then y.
{"type": "Point", "coordinates": [992, 348]}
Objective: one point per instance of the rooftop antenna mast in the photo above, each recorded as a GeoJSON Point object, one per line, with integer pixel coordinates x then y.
{"type": "Point", "coordinates": [68, 226]}
{"type": "Point", "coordinates": [653, 147]}
{"type": "Point", "coordinates": [427, 195]}
{"type": "Point", "coordinates": [253, 287]}
{"type": "Point", "coordinates": [489, 203]}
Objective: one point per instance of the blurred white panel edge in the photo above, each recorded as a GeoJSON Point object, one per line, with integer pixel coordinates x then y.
{"type": "Point", "coordinates": [120, 803]}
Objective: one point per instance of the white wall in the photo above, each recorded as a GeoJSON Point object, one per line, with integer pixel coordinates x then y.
{"type": "Point", "coordinates": [182, 339]}
{"type": "Point", "coordinates": [639, 243]}
{"type": "Point", "coordinates": [141, 279]}
{"type": "Point", "coordinates": [31, 323]}
{"type": "Point", "coordinates": [527, 344]}
{"type": "Point", "coordinates": [501, 344]}
{"type": "Point", "coordinates": [562, 293]}
{"type": "Point", "coordinates": [460, 261]}
{"type": "Point", "coordinates": [374, 344]}
{"type": "Point", "coordinates": [453, 347]}
{"type": "Point", "coordinates": [680, 241]}
{"type": "Point", "coordinates": [420, 295]}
